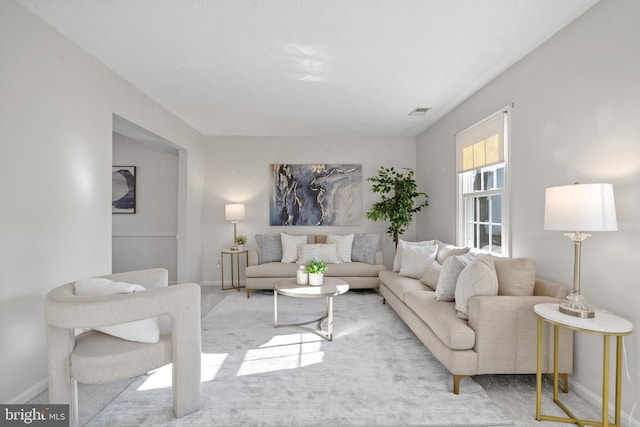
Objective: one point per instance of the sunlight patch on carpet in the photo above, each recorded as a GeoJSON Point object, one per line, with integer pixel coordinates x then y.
{"type": "Point", "coordinates": [161, 377]}
{"type": "Point", "coordinates": [283, 352]}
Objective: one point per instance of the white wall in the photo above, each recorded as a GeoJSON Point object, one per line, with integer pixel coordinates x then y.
{"type": "Point", "coordinates": [576, 118]}
{"type": "Point", "coordinates": [55, 182]}
{"type": "Point", "coordinates": [147, 238]}
{"type": "Point", "coordinates": [238, 171]}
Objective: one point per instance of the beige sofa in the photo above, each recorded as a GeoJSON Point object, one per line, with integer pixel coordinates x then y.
{"type": "Point", "coordinates": [359, 275]}
{"type": "Point", "coordinates": [499, 336]}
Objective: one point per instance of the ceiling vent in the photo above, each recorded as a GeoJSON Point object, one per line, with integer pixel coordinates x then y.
{"type": "Point", "coordinates": [419, 111]}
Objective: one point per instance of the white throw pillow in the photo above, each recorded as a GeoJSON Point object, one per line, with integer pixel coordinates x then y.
{"type": "Point", "coordinates": [445, 251]}
{"type": "Point", "coordinates": [397, 261]}
{"type": "Point", "coordinates": [431, 275]}
{"type": "Point", "coordinates": [416, 260]}
{"type": "Point", "coordinates": [326, 252]}
{"type": "Point", "coordinates": [478, 278]}
{"type": "Point", "coordinates": [145, 330]}
{"type": "Point", "coordinates": [451, 269]}
{"type": "Point", "coordinates": [344, 242]}
{"type": "Point", "coordinates": [290, 246]}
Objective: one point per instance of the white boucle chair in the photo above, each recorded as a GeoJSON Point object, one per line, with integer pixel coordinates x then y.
{"type": "Point", "coordinates": [95, 358]}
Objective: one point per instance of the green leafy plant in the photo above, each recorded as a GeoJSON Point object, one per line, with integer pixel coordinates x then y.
{"type": "Point", "coordinates": [400, 195]}
{"type": "Point", "coordinates": [241, 239]}
{"type": "Point", "coordinates": [316, 267]}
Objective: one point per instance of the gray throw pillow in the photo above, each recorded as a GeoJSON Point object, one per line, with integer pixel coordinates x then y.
{"type": "Point", "coordinates": [269, 248]}
{"type": "Point", "coordinates": [364, 248]}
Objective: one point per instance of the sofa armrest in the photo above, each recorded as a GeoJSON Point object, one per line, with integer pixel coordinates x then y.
{"type": "Point", "coordinates": [506, 330]}
{"type": "Point", "coordinates": [253, 258]}
{"type": "Point", "coordinates": [379, 260]}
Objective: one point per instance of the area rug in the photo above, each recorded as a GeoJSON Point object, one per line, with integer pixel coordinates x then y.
{"type": "Point", "coordinates": [375, 372]}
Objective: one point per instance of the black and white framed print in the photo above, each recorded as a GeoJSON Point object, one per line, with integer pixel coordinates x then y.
{"type": "Point", "coordinates": [123, 190]}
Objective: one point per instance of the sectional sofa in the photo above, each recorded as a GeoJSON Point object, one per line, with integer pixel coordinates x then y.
{"type": "Point", "coordinates": [498, 335]}
{"type": "Point", "coordinates": [359, 262]}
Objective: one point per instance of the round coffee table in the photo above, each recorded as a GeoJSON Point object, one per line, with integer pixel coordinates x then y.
{"type": "Point", "coordinates": [330, 288]}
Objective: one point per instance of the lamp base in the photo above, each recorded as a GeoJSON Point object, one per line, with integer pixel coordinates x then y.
{"type": "Point", "coordinates": [576, 306]}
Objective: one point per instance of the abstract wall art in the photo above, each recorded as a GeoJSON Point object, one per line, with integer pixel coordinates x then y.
{"type": "Point", "coordinates": [123, 190]}
{"type": "Point", "coordinates": [316, 194]}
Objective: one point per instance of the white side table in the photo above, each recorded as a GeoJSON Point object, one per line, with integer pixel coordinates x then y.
{"type": "Point", "coordinates": [605, 324]}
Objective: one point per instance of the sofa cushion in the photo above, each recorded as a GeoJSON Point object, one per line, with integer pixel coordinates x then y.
{"type": "Point", "coordinates": [516, 276]}
{"type": "Point", "coordinates": [285, 269]}
{"type": "Point", "coordinates": [477, 278]}
{"type": "Point", "coordinates": [269, 248]}
{"type": "Point", "coordinates": [397, 260]}
{"type": "Point", "coordinates": [400, 285]}
{"type": "Point", "coordinates": [345, 244]}
{"type": "Point", "coordinates": [451, 269]}
{"type": "Point", "coordinates": [272, 269]}
{"type": "Point", "coordinates": [364, 248]}
{"type": "Point", "coordinates": [441, 319]}
{"type": "Point", "coordinates": [445, 251]}
{"type": "Point", "coordinates": [290, 246]}
{"type": "Point", "coordinates": [325, 252]}
{"type": "Point", "coordinates": [416, 259]}
{"type": "Point", "coordinates": [353, 269]}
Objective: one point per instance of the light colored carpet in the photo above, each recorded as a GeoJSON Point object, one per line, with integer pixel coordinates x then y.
{"type": "Point", "coordinates": [374, 372]}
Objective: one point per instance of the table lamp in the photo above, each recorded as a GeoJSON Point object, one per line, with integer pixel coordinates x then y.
{"type": "Point", "coordinates": [579, 207]}
{"type": "Point", "coordinates": [234, 212]}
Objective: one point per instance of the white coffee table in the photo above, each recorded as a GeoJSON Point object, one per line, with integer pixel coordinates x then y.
{"type": "Point", "coordinates": [330, 288]}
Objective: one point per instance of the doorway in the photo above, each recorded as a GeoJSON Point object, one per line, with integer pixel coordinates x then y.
{"type": "Point", "coordinates": [146, 236]}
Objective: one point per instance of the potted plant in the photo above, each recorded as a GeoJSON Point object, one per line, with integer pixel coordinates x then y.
{"type": "Point", "coordinates": [316, 270]}
{"type": "Point", "coordinates": [399, 202]}
{"type": "Point", "coordinates": [241, 240]}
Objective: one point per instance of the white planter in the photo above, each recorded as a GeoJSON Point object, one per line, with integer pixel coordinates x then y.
{"type": "Point", "coordinates": [241, 247]}
{"type": "Point", "coordinates": [315, 279]}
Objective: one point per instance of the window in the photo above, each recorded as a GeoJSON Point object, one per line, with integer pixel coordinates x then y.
{"type": "Point", "coordinates": [482, 185]}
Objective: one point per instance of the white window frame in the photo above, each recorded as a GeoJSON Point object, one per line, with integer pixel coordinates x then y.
{"type": "Point", "coordinates": [461, 227]}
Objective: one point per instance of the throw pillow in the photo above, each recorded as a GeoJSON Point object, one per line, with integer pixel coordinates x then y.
{"type": "Point", "coordinates": [477, 278]}
{"type": "Point", "coordinates": [326, 252]}
{"type": "Point", "coordinates": [416, 259]}
{"type": "Point", "coordinates": [445, 251]}
{"type": "Point", "coordinates": [145, 330]}
{"type": "Point", "coordinates": [397, 261]}
{"type": "Point", "coordinates": [290, 246]}
{"type": "Point", "coordinates": [431, 275]}
{"type": "Point", "coordinates": [345, 243]}
{"type": "Point", "coordinates": [364, 248]}
{"type": "Point", "coordinates": [451, 269]}
{"type": "Point", "coordinates": [269, 248]}
{"type": "Point", "coordinates": [516, 276]}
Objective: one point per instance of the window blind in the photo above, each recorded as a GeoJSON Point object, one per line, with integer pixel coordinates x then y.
{"type": "Point", "coordinates": [482, 144]}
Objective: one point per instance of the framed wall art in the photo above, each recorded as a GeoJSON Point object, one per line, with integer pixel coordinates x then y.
{"type": "Point", "coordinates": [316, 194]}
{"type": "Point", "coordinates": [123, 190]}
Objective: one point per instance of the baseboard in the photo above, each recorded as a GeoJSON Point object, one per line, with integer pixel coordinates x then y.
{"type": "Point", "coordinates": [30, 393]}
{"type": "Point", "coordinates": [596, 400]}
{"type": "Point", "coordinates": [211, 283]}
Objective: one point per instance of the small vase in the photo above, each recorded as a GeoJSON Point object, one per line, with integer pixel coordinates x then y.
{"type": "Point", "coordinates": [241, 247]}
{"type": "Point", "coordinates": [301, 277]}
{"type": "Point", "coordinates": [315, 279]}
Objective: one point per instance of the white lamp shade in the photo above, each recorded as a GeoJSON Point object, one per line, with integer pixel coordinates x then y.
{"type": "Point", "coordinates": [580, 207]}
{"type": "Point", "coordinates": [234, 212]}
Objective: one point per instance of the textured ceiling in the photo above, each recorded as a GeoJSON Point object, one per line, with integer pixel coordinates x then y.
{"type": "Point", "coordinates": [308, 67]}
